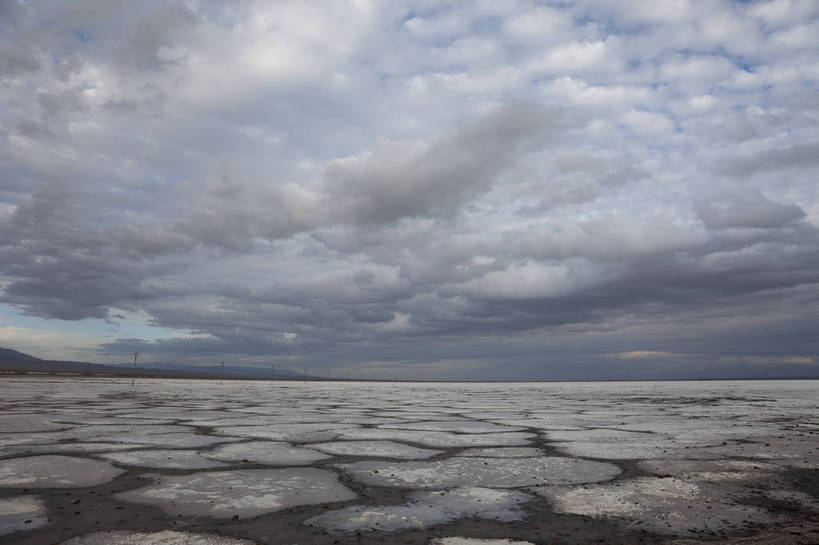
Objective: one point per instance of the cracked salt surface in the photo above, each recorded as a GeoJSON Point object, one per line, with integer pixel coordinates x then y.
{"type": "Point", "coordinates": [55, 472]}
{"type": "Point", "coordinates": [488, 472]}
{"type": "Point", "coordinates": [375, 449]}
{"type": "Point", "coordinates": [165, 537]}
{"type": "Point", "coordinates": [664, 505]}
{"type": "Point", "coordinates": [426, 509]}
{"type": "Point", "coordinates": [266, 452]}
{"type": "Point", "coordinates": [246, 493]}
{"type": "Point", "coordinates": [21, 513]}
{"type": "Point", "coordinates": [169, 459]}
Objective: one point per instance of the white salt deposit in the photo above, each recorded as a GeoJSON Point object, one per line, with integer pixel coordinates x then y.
{"type": "Point", "coordinates": [165, 537]}
{"type": "Point", "coordinates": [375, 449]}
{"type": "Point", "coordinates": [266, 452]}
{"type": "Point", "coordinates": [55, 472]}
{"type": "Point", "coordinates": [426, 509]}
{"type": "Point", "coordinates": [21, 513]}
{"type": "Point", "coordinates": [488, 472]}
{"type": "Point", "coordinates": [246, 493]}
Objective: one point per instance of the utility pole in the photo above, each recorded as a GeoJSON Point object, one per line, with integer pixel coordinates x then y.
{"type": "Point", "coordinates": [272, 373]}
{"type": "Point", "coordinates": [222, 380]}
{"type": "Point", "coordinates": [133, 377]}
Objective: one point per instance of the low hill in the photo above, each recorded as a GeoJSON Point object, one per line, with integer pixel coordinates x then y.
{"type": "Point", "coordinates": [12, 361]}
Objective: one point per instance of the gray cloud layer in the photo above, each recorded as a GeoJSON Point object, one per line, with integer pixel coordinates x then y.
{"type": "Point", "coordinates": [465, 190]}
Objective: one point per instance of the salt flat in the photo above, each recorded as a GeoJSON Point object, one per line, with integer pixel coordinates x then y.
{"type": "Point", "coordinates": [97, 461]}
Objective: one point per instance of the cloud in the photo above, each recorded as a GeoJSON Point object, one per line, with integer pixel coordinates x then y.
{"type": "Point", "coordinates": [524, 186]}
{"type": "Point", "coordinates": [645, 355]}
{"type": "Point", "coordinates": [747, 210]}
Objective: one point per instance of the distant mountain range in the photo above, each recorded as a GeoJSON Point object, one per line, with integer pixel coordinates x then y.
{"type": "Point", "coordinates": [12, 361]}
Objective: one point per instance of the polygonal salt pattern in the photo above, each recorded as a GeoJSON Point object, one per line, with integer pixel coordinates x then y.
{"type": "Point", "coordinates": [266, 452]}
{"type": "Point", "coordinates": [55, 471]}
{"type": "Point", "coordinates": [426, 509]}
{"type": "Point", "coordinates": [168, 459]}
{"type": "Point", "coordinates": [165, 537]}
{"type": "Point", "coordinates": [376, 449]}
{"type": "Point", "coordinates": [483, 472]}
{"type": "Point", "coordinates": [21, 513]}
{"type": "Point", "coordinates": [246, 493]}
{"type": "Point", "coordinates": [663, 505]}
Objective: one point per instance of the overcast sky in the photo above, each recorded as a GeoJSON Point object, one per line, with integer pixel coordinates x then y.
{"type": "Point", "coordinates": [485, 189]}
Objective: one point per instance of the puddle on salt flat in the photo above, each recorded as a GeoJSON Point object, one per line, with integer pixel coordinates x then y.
{"type": "Point", "coordinates": [375, 449]}
{"type": "Point", "coordinates": [426, 509]}
{"type": "Point", "coordinates": [55, 472]}
{"type": "Point", "coordinates": [266, 452]}
{"type": "Point", "coordinates": [246, 493]}
{"type": "Point", "coordinates": [488, 472]}
{"type": "Point", "coordinates": [165, 537]}
{"type": "Point", "coordinates": [21, 513]}
{"type": "Point", "coordinates": [664, 505]}
{"type": "Point", "coordinates": [166, 459]}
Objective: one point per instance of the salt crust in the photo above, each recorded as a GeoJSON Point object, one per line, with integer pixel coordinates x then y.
{"type": "Point", "coordinates": [426, 509]}
{"type": "Point", "coordinates": [284, 432]}
{"type": "Point", "coordinates": [170, 459]}
{"type": "Point", "coordinates": [375, 449]}
{"type": "Point", "coordinates": [28, 424]}
{"type": "Point", "coordinates": [266, 452]}
{"type": "Point", "coordinates": [456, 426]}
{"type": "Point", "coordinates": [15, 511]}
{"type": "Point", "coordinates": [663, 505]}
{"type": "Point", "coordinates": [475, 541]}
{"type": "Point", "coordinates": [165, 537]}
{"type": "Point", "coordinates": [503, 452]}
{"type": "Point", "coordinates": [489, 472]}
{"type": "Point", "coordinates": [439, 438]}
{"type": "Point", "coordinates": [55, 472]}
{"type": "Point", "coordinates": [247, 493]}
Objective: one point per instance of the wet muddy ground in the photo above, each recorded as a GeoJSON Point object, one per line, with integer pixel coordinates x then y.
{"type": "Point", "coordinates": [93, 461]}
